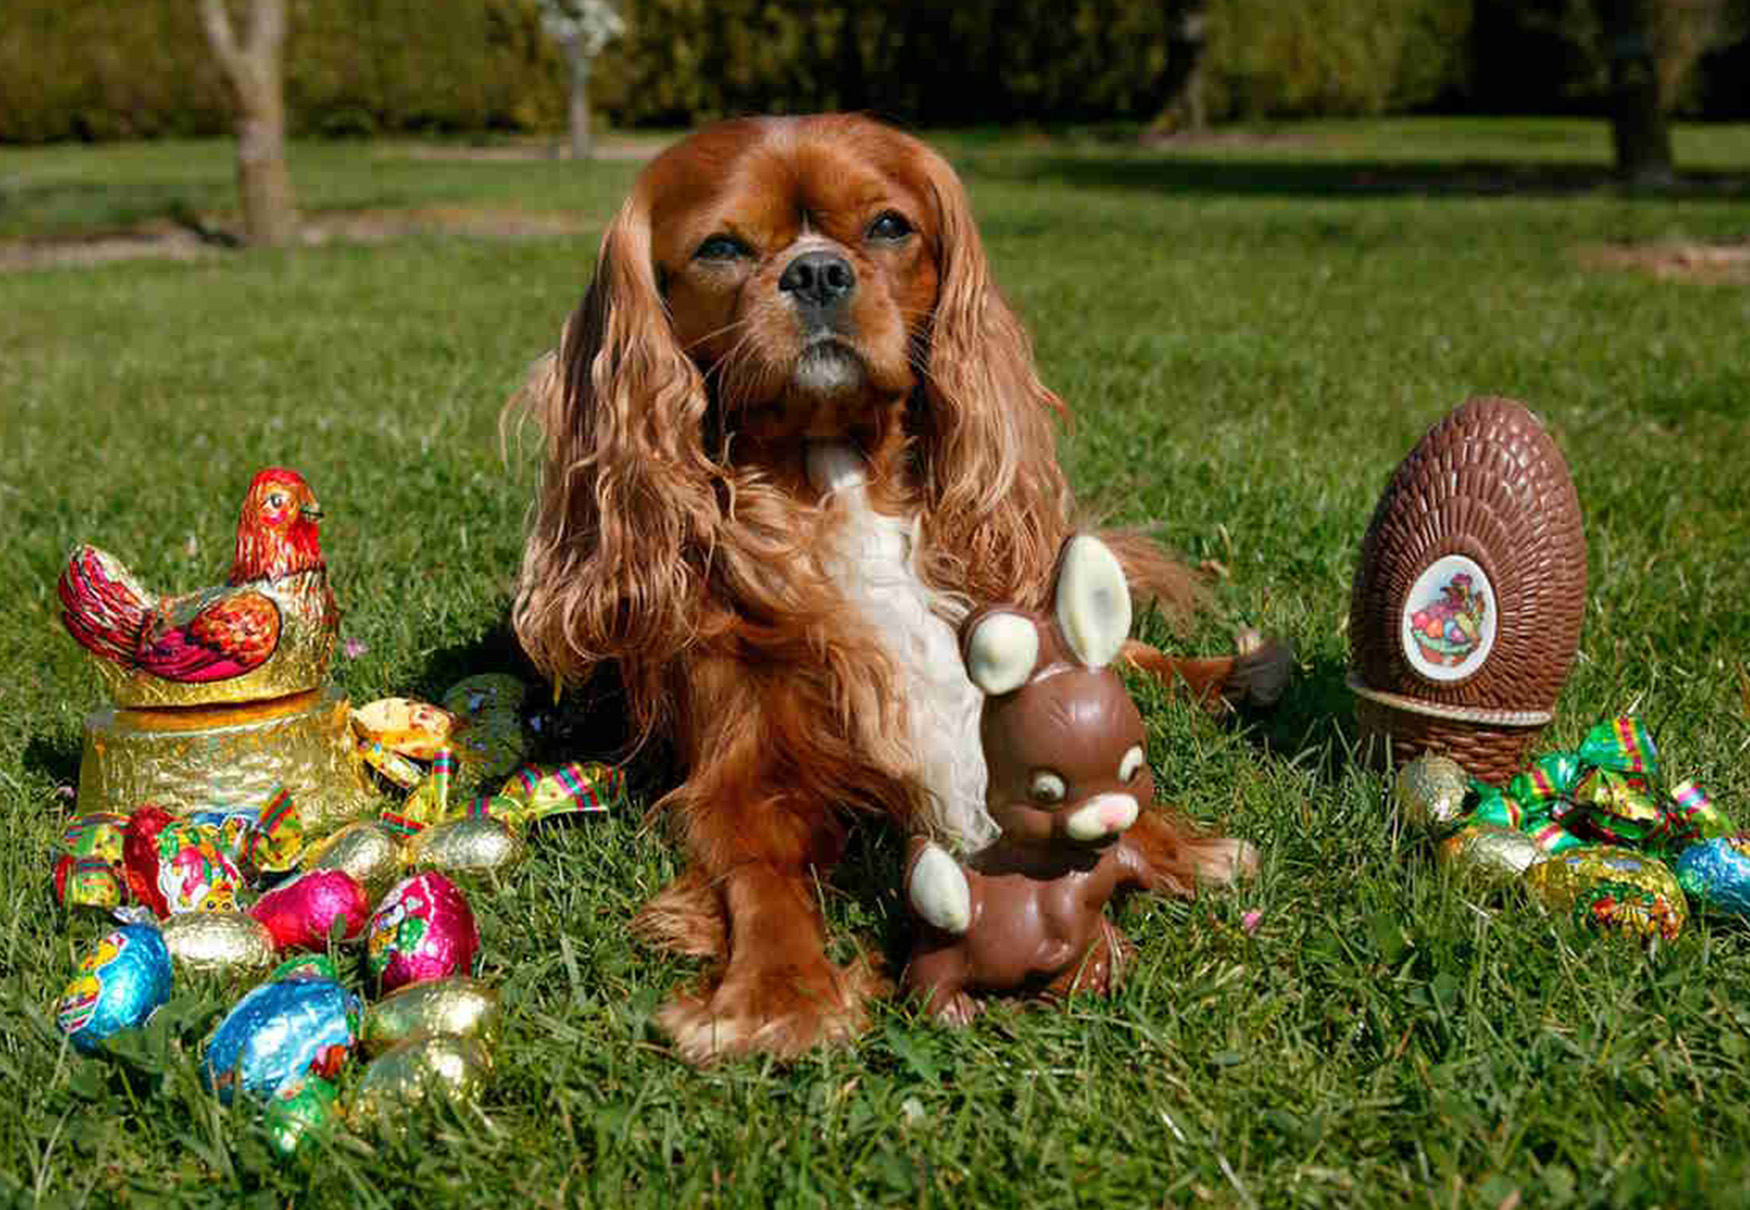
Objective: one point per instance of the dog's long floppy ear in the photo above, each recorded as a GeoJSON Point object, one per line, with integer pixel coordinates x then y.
{"type": "Point", "coordinates": [612, 568]}
{"type": "Point", "coordinates": [1000, 501]}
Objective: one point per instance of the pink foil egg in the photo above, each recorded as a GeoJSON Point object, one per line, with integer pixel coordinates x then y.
{"type": "Point", "coordinates": [301, 913]}
{"type": "Point", "coordinates": [423, 929]}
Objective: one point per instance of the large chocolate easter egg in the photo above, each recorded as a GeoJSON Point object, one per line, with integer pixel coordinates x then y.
{"type": "Point", "coordinates": [1466, 606]}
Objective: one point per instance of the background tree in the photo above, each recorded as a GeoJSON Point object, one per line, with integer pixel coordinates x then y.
{"type": "Point", "coordinates": [582, 28]}
{"type": "Point", "coordinates": [255, 76]}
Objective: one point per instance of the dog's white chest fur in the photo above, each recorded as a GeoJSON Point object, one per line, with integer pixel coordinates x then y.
{"type": "Point", "coordinates": [870, 557]}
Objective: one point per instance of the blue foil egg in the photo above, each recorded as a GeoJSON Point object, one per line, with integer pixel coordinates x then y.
{"type": "Point", "coordinates": [281, 1032]}
{"type": "Point", "coordinates": [124, 978]}
{"type": "Point", "coordinates": [1717, 873]}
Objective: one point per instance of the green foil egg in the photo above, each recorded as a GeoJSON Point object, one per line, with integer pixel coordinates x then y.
{"type": "Point", "coordinates": [458, 1005]}
{"type": "Point", "coordinates": [475, 845]}
{"type": "Point", "coordinates": [1430, 793]}
{"type": "Point", "coordinates": [1487, 856]}
{"type": "Point", "coordinates": [440, 1069]}
{"type": "Point", "coordinates": [366, 849]}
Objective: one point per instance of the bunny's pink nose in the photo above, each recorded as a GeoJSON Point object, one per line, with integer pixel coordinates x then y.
{"type": "Point", "coordinates": [1102, 815]}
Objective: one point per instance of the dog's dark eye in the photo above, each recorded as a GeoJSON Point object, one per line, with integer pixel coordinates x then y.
{"type": "Point", "coordinates": [889, 225]}
{"type": "Point", "coordinates": [721, 247]}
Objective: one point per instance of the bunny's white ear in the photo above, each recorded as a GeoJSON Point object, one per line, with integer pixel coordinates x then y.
{"type": "Point", "coordinates": [1001, 652]}
{"type": "Point", "coordinates": [1093, 601]}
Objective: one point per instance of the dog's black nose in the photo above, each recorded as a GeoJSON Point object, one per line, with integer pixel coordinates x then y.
{"type": "Point", "coordinates": [818, 279]}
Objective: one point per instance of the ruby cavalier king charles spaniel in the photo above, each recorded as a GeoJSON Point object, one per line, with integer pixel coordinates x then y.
{"type": "Point", "coordinates": [793, 436]}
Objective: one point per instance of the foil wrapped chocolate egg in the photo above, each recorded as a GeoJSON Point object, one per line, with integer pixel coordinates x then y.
{"type": "Point", "coordinates": [1716, 873]}
{"type": "Point", "coordinates": [1487, 856]}
{"type": "Point", "coordinates": [457, 1005]}
{"type": "Point", "coordinates": [423, 929]}
{"type": "Point", "coordinates": [366, 849]}
{"type": "Point", "coordinates": [439, 1069]}
{"type": "Point", "coordinates": [1612, 889]}
{"type": "Point", "coordinates": [121, 981]}
{"type": "Point", "coordinates": [278, 1033]}
{"type": "Point", "coordinates": [88, 882]}
{"type": "Point", "coordinates": [475, 845]}
{"type": "Point", "coordinates": [216, 943]}
{"type": "Point", "coordinates": [1430, 793]}
{"type": "Point", "coordinates": [488, 737]}
{"type": "Point", "coordinates": [301, 1112]}
{"type": "Point", "coordinates": [305, 912]}
{"type": "Point", "coordinates": [174, 865]}
{"type": "Point", "coordinates": [405, 725]}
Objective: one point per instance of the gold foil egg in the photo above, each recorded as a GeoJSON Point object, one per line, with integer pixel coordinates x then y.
{"type": "Point", "coordinates": [366, 849]}
{"type": "Point", "coordinates": [440, 1069]}
{"type": "Point", "coordinates": [1488, 856]}
{"type": "Point", "coordinates": [1430, 793]}
{"type": "Point", "coordinates": [457, 1005]}
{"type": "Point", "coordinates": [209, 943]}
{"type": "Point", "coordinates": [475, 845]}
{"type": "Point", "coordinates": [1613, 889]}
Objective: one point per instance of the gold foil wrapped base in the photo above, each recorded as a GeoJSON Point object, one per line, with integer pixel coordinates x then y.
{"type": "Point", "coordinates": [228, 756]}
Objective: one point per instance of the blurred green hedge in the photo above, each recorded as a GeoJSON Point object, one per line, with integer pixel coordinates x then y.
{"type": "Point", "coordinates": [96, 69]}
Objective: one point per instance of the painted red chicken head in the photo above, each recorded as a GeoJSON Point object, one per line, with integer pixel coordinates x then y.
{"type": "Point", "coordinates": [276, 533]}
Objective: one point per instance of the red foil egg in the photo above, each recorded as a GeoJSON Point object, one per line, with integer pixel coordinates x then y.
{"type": "Point", "coordinates": [301, 913]}
{"type": "Point", "coordinates": [423, 929]}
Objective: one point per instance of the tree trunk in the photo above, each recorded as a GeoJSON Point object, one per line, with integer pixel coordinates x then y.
{"type": "Point", "coordinates": [1181, 111]}
{"type": "Point", "coordinates": [582, 140]}
{"type": "Point", "coordinates": [1639, 130]}
{"type": "Point", "coordinates": [253, 70]}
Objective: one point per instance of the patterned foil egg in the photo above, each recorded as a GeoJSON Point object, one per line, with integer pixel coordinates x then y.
{"type": "Point", "coordinates": [1487, 856]}
{"type": "Point", "coordinates": [488, 738]}
{"type": "Point", "coordinates": [365, 849]}
{"type": "Point", "coordinates": [299, 1113]}
{"type": "Point", "coordinates": [176, 866]}
{"type": "Point", "coordinates": [405, 725]}
{"type": "Point", "coordinates": [1430, 793]}
{"type": "Point", "coordinates": [475, 845]}
{"type": "Point", "coordinates": [437, 1006]}
{"type": "Point", "coordinates": [423, 929]}
{"type": "Point", "coordinates": [279, 1033]}
{"type": "Point", "coordinates": [212, 943]}
{"type": "Point", "coordinates": [1612, 889]}
{"type": "Point", "coordinates": [440, 1069]}
{"type": "Point", "coordinates": [121, 982]}
{"type": "Point", "coordinates": [1717, 873]}
{"type": "Point", "coordinates": [302, 913]}
{"type": "Point", "coordinates": [88, 882]}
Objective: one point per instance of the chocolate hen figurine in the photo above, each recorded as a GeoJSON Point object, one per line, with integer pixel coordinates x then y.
{"type": "Point", "coordinates": [267, 632]}
{"type": "Point", "coordinates": [1070, 788]}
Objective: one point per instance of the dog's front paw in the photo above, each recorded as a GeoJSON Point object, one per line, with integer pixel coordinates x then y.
{"type": "Point", "coordinates": [1261, 670]}
{"type": "Point", "coordinates": [781, 1011]}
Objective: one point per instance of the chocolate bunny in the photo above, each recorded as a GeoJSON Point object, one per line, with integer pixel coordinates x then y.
{"type": "Point", "coordinates": [1068, 786]}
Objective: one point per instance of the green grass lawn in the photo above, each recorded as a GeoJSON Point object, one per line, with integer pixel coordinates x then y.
{"type": "Point", "coordinates": [1252, 333]}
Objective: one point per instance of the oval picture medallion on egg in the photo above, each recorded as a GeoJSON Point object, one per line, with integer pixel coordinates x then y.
{"type": "Point", "coordinates": [1449, 620]}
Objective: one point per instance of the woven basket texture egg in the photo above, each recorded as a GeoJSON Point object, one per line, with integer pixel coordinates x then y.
{"type": "Point", "coordinates": [1466, 609]}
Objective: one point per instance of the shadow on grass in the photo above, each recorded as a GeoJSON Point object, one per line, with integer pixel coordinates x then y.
{"type": "Point", "coordinates": [53, 757]}
{"type": "Point", "coordinates": [1200, 175]}
{"type": "Point", "coordinates": [587, 724]}
{"type": "Point", "coordinates": [1313, 725]}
